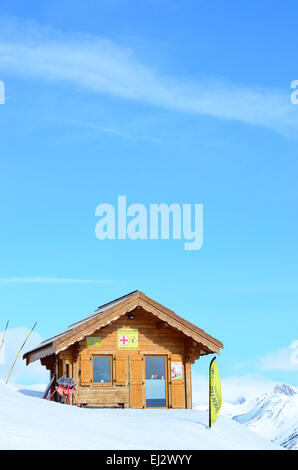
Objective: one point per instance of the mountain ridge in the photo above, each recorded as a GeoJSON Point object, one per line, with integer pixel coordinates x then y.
{"type": "Point", "coordinates": [273, 416]}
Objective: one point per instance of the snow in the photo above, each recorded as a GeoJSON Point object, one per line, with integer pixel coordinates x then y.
{"type": "Point", "coordinates": [27, 422]}
{"type": "Point", "coordinates": [274, 416]}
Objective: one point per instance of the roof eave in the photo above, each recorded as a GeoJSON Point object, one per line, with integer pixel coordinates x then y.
{"type": "Point", "coordinates": [135, 299]}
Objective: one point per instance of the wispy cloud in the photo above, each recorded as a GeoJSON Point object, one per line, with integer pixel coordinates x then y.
{"type": "Point", "coordinates": [111, 131]}
{"type": "Point", "coordinates": [285, 359]}
{"type": "Point", "coordinates": [248, 386]}
{"type": "Point", "coordinates": [51, 280]}
{"type": "Point", "coordinates": [102, 66]}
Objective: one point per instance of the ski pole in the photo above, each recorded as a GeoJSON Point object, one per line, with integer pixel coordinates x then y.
{"type": "Point", "coordinates": [52, 394]}
{"type": "Point", "coordinates": [20, 351]}
{"type": "Point", "coordinates": [4, 334]}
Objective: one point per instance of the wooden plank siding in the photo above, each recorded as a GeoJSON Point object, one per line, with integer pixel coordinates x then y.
{"type": "Point", "coordinates": [128, 367]}
{"type": "Point", "coordinates": [161, 332]}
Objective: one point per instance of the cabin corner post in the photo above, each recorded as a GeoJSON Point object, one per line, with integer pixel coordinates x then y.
{"type": "Point", "coordinates": [188, 385]}
{"type": "Point", "coordinates": [169, 376]}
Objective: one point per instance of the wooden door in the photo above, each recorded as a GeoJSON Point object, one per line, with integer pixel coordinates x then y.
{"type": "Point", "coordinates": [136, 381]}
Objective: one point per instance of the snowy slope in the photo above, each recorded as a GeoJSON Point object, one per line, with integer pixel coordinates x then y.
{"type": "Point", "coordinates": [27, 422]}
{"type": "Point", "coordinates": [273, 416]}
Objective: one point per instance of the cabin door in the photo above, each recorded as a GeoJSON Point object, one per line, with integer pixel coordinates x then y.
{"type": "Point", "coordinates": [156, 390]}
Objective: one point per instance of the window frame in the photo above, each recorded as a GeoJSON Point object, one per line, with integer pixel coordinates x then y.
{"type": "Point", "coordinates": [103, 384]}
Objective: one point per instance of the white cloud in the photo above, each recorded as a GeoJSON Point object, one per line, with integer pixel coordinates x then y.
{"type": "Point", "coordinates": [102, 66]}
{"type": "Point", "coordinates": [34, 373]}
{"type": "Point", "coordinates": [233, 388]}
{"type": "Point", "coordinates": [284, 359]}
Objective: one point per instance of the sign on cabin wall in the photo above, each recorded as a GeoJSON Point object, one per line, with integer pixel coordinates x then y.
{"type": "Point", "coordinates": [93, 341]}
{"type": "Point", "coordinates": [176, 370]}
{"type": "Point", "coordinates": [128, 339]}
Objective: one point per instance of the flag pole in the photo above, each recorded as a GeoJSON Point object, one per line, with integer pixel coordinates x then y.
{"type": "Point", "coordinates": [20, 351]}
{"type": "Point", "coordinates": [210, 424]}
{"type": "Point", "coordinates": [215, 395]}
{"type": "Point", "coordinates": [4, 334]}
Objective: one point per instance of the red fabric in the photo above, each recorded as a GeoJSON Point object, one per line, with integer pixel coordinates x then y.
{"type": "Point", "coordinates": [64, 392]}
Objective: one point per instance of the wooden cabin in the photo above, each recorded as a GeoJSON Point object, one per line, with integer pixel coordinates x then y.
{"type": "Point", "coordinates": [130, 353]}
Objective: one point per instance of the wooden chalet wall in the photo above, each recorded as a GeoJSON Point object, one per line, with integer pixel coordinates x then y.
{"type": "Point", "coordinates": [128, 367]}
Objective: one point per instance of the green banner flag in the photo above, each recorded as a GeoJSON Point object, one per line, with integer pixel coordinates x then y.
{"type": "Point", "coordinates": [215, 396]}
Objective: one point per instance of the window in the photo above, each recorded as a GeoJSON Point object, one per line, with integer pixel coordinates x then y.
{"type": "Point", "coordinates": [102, 369]}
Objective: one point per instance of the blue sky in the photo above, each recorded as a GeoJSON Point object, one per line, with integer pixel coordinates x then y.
{"type": "Point", "coordinates": [173, 102]}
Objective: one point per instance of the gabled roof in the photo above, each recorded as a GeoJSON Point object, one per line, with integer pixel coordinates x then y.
{"type": "Point", "coordinates": [71, 327]}
{"type": "Point", "coordinates": [113, 310]}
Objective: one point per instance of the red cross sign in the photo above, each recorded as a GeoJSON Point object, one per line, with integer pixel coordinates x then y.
{"type": "Point", "coordinates": [124, 340]}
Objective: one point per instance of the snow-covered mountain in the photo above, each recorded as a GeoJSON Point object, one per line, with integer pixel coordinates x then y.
{"type": "Point", "coordinates": [273, 416]}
